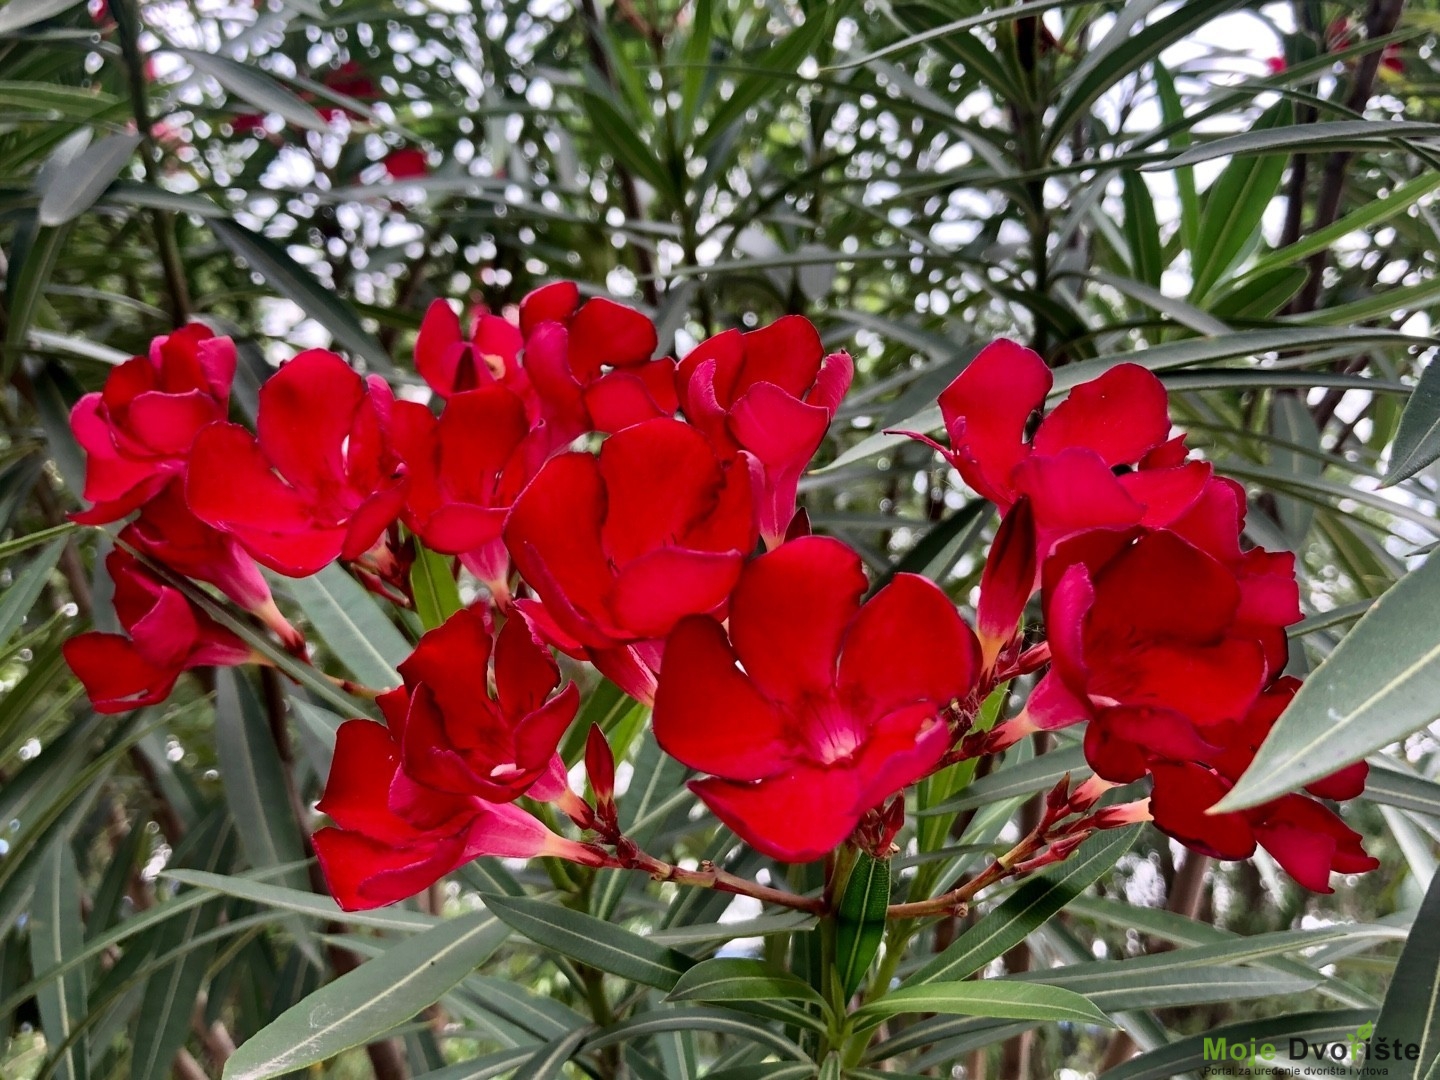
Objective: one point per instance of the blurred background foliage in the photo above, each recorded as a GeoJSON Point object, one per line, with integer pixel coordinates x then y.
{"type": "Point", "coordinates": [1222, 191]}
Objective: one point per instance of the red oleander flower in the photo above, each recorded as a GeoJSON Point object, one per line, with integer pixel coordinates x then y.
{"type": "Point", "coordinates": [450, 364]}
{"type": "Point", "coordinates": [813, 709]}
{"type": "Point", "coordinates": [1147, 622]}
{"type": "Point", "coordinates": [455, 736]}
{"type": "Point", "coordinates": [1115, 423]}
{"type": "Point", "coordinates": [620, 546]}
{"type": "Point", "coordinates": [138, 431]}
{"type": "Point", "coordinates": [168, 532]}
{"type": "Point", "coordinates": [321, 480]}
{"type": "Point", "coordinates": [771, 392]}
{"type": "Point", "coordinates": [394, 837]}
{"type": "Point", "coordinates": [406, 163]}
{"type": "Point", "coordinates": [1305, 837]}
{"type": "Point", "coordinates": [167, 635]}
{"type": "Point", "coordinates": [464, 470]}
{"type": "Point", "coordinates": [350, 79]}
{"type": "Point", "coordinates": [590, 363]}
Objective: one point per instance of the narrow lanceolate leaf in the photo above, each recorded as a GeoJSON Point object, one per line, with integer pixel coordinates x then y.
{"type": "Point", "coordinates": [860, 920]}
{"type": "Point", "coordinates": [352, 624]}
{"type": "Point", "coordinates": [56, 934]}
{"type": "Point", "coordinates": [1030, 906]}
{"type": "Point", "coordinates": [18, 14]}
{"type": "Point", "coordinates": [301, 902]}
{"type": "Point", "coordinates": [1325, 136]}
{"type": "Point", "coordinates": [170, 993]}
{"type": "Point", "coordinates": [988, 997]}
{"type": "Point", "coordinates": [256, 87]}
{"type": "Point", "coordinates": [25, 285]}
{"type": "Point", "coordinates": [292, 281]}
{"type": "Point", "coordinates": [25, 589]}
{"type": "Point", "coordinates": [1381, 683]}
{"type": "Point", "coordinates": [591, 941]}
{"type": "Point", "coordinates": [253, 777]}
{"type": "Point", "coordinates": [437, 596]}
{"type": "Point", "coordinates": [1411, 1012]}
{"type": "Point", "coordinates": [372, 999]}
{"type": "Point", "coordinates": [72, 192]}
{"type": "Point", "coordinates": [737, 979]}
{"type": "Point", "coordinates": [546, 1063]}
{"type": "Point", "coordinates": [1417, 442]}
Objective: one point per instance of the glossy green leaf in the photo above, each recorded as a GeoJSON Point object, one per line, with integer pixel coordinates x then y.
{"type": "Point", "coordinates": [1411, 1012]}
{"type": "Point", "coordinates": [547, 1062]}
{"type": "Point", "coordinates": [1142, 230]}
{"type": "Point", "coordinates": [987, 997]}
{"type": "Point", "coordinates": [1326, 136]}
{"type": "Point", "coordinates": [292, 281]}
{"type": "Point", "coordinates": [738, 979]}
{"type": "Point", "coordinates": [591, 941]}
{"type": "Point", "coordinates": [354, 626]}
{"type": "Point", "coordinates": [372, 999]}
{"type": "Point", "coordinates": [25, 588]}
{"type": "Point", "coordinates": [57, 933]}
{"type": "Point", "coordinates": [860, 920]}
{"type": "Point", "coordinates": [1417, 442]}
{"type": "Point", "coordinates": [72, 192]}
{"type": "Point", "coordinates": [437, 596]}
{"type": "Point", "coordinates": [1381, 683]}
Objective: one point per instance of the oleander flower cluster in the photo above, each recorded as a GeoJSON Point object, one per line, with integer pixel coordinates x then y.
{"type": "Point", "coordinates": [638, 516]}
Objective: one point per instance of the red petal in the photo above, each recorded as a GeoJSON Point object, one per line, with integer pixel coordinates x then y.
{"type": "Point", "coordinates": [1178, 801]}
{"type": "Point", "coordinates": [1162, 586]}
{"type": "Point", "coordinates": [795, 817]}
{"type": "Point", "coordinates": [659, 477]}
{"type": "Point", "coordinates": [167, 423]}
{"type": "Point", "coordinates": [525, 672]}
{"type": "Point", "coordinates": [606, 333]}
{"type": "Point", "coordinates": [789, 613]}
{"type": "Point", "coordinates": [452, 660]}
{"type": "Point", "coordinates": [357, 789]}
{"type": "Point", "coordinates": [1347, 783]}
{"type": "Point", "coordinates": [986, 410]}
{"type": "Point", "coordinates": [621, 399]}
{"type": "Point", "coordinates": [785, 354]}
{"type": "Point", "coordinates": [439, 350]}
{"type": "Point", "coordinates": [115, 676]}
{"type": "Point", "coordinates": [1209, 684]}
{"type": "Point", "coordinates": [836, 371]}
{"type": "Point", "coordinates": [553, 534]}
{"type": "Point", "coordinates": [555, 302]}
{"type": "Point", "coordinates": [708, 715]}
{"type": "Point", "coordinates": [479, 432]}
{"type": "Point", "coordinates": [548, 365]}
{"type": "Point", "coordinates": [907, 645]}
{"type": "Point", "coordinates": [1166, 493]}
{"type": "Point", "coordinates": [779, 429]}
{"type": "Point", "coordinates": [306, 412]}
{"type": "Point", "coordinates": [370, 520]}
{"type": "Point", "coordinates": [1121, 742]}
{"type": "Point", "coordinates": [658, 589]}
{"type": "Point", "coordinates": [1308, 841]}
{"type": "Point", "coordinates": [1007, 580]}
{"type": "Point", "coordinates": [1121, 415]}
{"type": "Point", "coordinates": [363, 873]}
{"type": "Point", "coordinates": [716, 362]}
{"type": "Point", "coordinates": [1072, 493]}
{"type": "Point", "coordinates": [539, 733]}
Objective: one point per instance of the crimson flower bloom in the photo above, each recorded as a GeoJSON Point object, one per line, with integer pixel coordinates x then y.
{"type": "Point", "coordinates": [168, 532]}
{"type": "Point", "coordinates": [320, 481]}
{"type": "Point", "coordinates": [406, 163]}
{"type": "Point", "coordinates": [621, 546]}
{"type": "Point", "coordinates": [771, 392]}
{"type": "Point", "coordinates": [1116, 423]}
{"type": "Point", "coordinates": [394, 837]}
{"type": "Point", "coordinates": [590, 362]}
{"type": "Point", "coordinates": [454, 736]}
{"type": "Point", "coordinates": [450, 364]}
{"type": "Point", "coordinates": [464, 471]}
{"type": "Point", "coordinates": [138, 431]}
{"type": "Point", "coordinates": [166, 636]}
{"type": "Point", "coordinates": [1306, 838]}
{"type": "Point", "coordinates": [813, 709]}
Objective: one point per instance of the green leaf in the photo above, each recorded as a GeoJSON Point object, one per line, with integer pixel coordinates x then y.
{"type": "Point", "coordinates": [70, 193]}
{"type": "Point", "coordinates": [1390, 787]}
{"type": "Point", "coordinates": [352, 624]}
{"type": "Point", "coordinates": [170, 993]}
{"type": "Point", "coordinates": [592, 941]}
{"type": "Point", "coordinates": [1031, 905]}
{"type": "Point", "coordinates": [1142, 231]}
{"type": "Point", "coordinates": [35, 539]}
{"type": "Point", "coordinates": [1326, 136]}
{"type": "Point", "coordinates": [273, 263]}
{"type": "Point", "coordinates": [56, 934]}
{"type": "Point", "coordinates": [860, 920]}
{"type": "Point", "coordinates": [1038, 774]}
{"type": "Point", "coordinates": [249, 82]}
{"type": "Point", "coordinates": [1234, 206]}
{"type": "Point", "coordinates": [1411, 1012]}
{"type": "Point", "coordinates": [1291, 422]}
{"type": "Point", "coordinates": [253, 777]}
{"type": "Point", "coordinates": [987, 997]}
{"type": "Point", "coordinates": [302, 902]}
{"type": "Point", "coordinates": [437, 595]}
{"type": "Point", "coordinates": [25, 588]}
{"type": "Point", "coordinates": [1417, 442]}
{"type": "Point", "coordinates": [547, 1062]}
{"type": "Point", "coordinates": [736, 979]}
{"type": "Point", "coordinates": [18, 14]}
{"type": "Point", "coordinates": [367, 1002]}
{"type": "Point", "coordinates": [1183, 1055]}
{"type": "Point", "coordinates": [28, 277]}
{"type": "Point", "coordinates": [1381, 683]}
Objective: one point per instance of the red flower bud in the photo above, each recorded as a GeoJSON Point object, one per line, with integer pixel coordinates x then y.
{"type": "Point", "coordinates": [1007, 582]}
{"type": "Point", "coordinates": [600, 768]}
